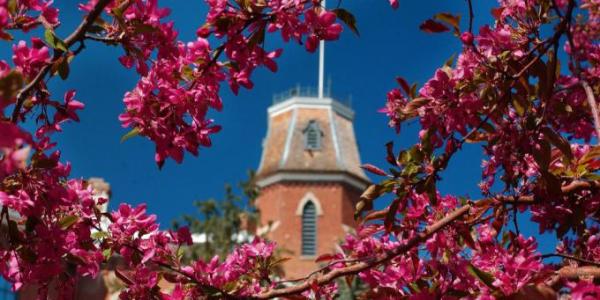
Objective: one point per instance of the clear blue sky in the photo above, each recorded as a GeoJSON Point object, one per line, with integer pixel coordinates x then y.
{"type": "Point", "coordinates": [362, 67]}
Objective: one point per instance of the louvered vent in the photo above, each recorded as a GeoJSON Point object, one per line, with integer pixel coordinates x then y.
{"type": "Point", "coordinates": [309, 229]}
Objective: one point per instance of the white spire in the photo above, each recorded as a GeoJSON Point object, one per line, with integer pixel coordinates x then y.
{"type": "Point", "coordinates": [321, 62]}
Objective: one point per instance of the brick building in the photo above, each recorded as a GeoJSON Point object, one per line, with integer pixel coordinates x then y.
{"type": "Point", "coordinates": [310, 177]}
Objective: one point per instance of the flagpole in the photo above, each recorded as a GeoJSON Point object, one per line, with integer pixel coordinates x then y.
{"type": "Point", "coordinates": [321, 62]}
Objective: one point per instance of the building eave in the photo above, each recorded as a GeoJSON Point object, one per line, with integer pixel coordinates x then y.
{"type": "Point", "coordinates": [303, 176]}
{"type": "Point", "coordinates": [311, 102]}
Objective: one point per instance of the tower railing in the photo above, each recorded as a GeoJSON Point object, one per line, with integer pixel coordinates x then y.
{"type": "Point", "coordinates": [306, 91]}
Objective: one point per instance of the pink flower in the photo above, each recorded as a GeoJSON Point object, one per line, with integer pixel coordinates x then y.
{"type": "Point", "coordinates": [323, 28]}
{"type": "Point", "coordinates": [585, 290]}
{"type": "Point", "coordinates": [30, 60]}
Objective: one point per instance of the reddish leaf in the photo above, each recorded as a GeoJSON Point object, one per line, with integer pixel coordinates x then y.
{"type": "Point", "coordinates": [325, 257]}
{"type": "Point", "coordinates": [431, 26]}
{"type": "Point", "coordinates": [348, 18]}
{"type": "Point", "coordinates": [374, 215]}
{"type": "Point", "coordinates": [404, 84]}
{"type": "Point", "coordinates": [373, 169]}
{"type": "Point", "coordinates": [391, 158]}
{"type": "Point", "coordinates": [497, 12]}
{"type": "Point", "coordinates": [390, 217]}
{"type": "Point", "coordinates": [451, 19]}
{"type": "Point", "coordinates": [123, 277]}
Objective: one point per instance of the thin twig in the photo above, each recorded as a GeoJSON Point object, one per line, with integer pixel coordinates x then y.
{"type": "Point", "coordinates": [593, 106]}
{"type": "Point", "coordinates": [74, 37]}
{"type": "Point", "coordinates": [582, 260]}
{"type": "Point", "coordinates": [327, 267]}
{"type": "Point", "coordinates": [471, 16]}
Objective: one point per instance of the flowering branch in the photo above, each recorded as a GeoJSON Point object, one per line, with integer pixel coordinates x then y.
{"type": "Point", "coordinates": [357, 268]}
{"type": "Point", "coordinates": [75, 36]}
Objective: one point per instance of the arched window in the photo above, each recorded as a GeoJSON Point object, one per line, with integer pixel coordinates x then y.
{"type": "Point", "coordinates": [312, 136]}
{"type": "Point", "coordinates": [309, 229]}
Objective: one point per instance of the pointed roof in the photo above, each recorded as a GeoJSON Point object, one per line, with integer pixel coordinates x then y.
{"type": "Point", "coordinates": [286, 154]}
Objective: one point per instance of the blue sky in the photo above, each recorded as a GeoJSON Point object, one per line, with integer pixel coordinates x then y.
{"type": "Point", "coordinates": [363, 68]}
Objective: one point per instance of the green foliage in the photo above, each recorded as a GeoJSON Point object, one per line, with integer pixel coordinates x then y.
{"type": "Point", "coordinates": [220, 220]}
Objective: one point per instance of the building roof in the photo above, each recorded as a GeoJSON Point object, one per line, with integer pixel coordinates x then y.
{"type": "Point", "coordinates": [287, 157]}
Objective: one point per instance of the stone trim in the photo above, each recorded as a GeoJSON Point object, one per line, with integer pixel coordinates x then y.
{"type": "Point", "coordinates": [288, 138]}
{"type": "Point", "coordinates": [312, 177]}
{"type": "Point", "coordinates": [312, 198]}
{"type": "Point", "coordinates": [264, 144]}
{"type": "Point", "coordinates": [336, 146]}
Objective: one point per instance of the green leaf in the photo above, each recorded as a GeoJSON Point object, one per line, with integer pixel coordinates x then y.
{"type": "Point", "coordinates": [144, 28]}
{"type": "Point", "coordinates": [430, 189]}
{"type": "Point", "coordinates": [258, 37]}
{"type": "Point", "coordinates": [118, 12]}
{"type": "Point", "coordinates": [390, 217]}
{"type": "Point", "coordinates": [12, 6]}
{"type": "Point", "coordinates": [130, 134]}
{"type": "Point", "coordinates": [99, 235]}
{"type": "Point", "coordinates": [11, 84]}
{"type": "Point", "coordinates": [485, 277]}
{"type": "Point", "coordinates": [593, 154]}
{"type": "Point", "coordinates": [63, 69]}
{"type": "Point", "coordinates": [348, 18]}
{"type": "Point", "coordinates": [107, 253]}
{"type": "Point", "coordinates": [54, 41]}
{"type": "Point", "coordinates": [68, 221]}
{"type": "Point", "coordinates": [450, 61]}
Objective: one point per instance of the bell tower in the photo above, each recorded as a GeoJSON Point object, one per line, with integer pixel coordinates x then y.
{"type": "Point", "coordinates": [310, 177]}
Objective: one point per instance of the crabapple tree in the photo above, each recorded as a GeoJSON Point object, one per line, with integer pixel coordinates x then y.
{"type": "Point", "coordinates": [523, 87]}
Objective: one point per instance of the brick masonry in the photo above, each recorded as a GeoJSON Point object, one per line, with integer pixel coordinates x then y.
{"type": "Point", "coordinates": [279, 205]}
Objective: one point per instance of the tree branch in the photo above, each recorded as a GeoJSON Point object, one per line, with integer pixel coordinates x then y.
{"type": "Point", "coordinates": [576, 272]}
{"type": "Point", "coordinates": [593, 106]}
{"type": "Point", "coordinates": [572, 187]}
{"type": "Point", "coordinates": [581, 260]}
{"type": "Point", "coordinates": [74, 37]}
{"type": "Point", "coordinates": [359, 267]}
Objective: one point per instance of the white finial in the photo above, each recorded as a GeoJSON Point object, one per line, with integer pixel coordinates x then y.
{"type": "Point", "coordinates": [321, 61]}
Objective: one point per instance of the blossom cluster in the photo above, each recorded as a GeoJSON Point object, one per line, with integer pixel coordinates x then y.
{"type": "Point", "coordinates": [26, 15]}
{"type": "Point", "coordinates": [180, 81]}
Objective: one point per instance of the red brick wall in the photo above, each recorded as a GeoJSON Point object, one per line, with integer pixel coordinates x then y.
{"type": "Point", "coordinates": [280, 201]}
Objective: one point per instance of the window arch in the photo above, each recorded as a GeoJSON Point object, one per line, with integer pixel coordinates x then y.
{"type": "Point", "coordinates": [312, 136]}
{"type": "Point", "coordinates": [309, 229]}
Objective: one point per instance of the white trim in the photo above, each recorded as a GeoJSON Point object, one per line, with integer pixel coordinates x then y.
{"type": "Point", "coordinates": [309, 197]}
{"type": "Point", "coordinates": [264, 144]}
{"type": "Point", "coordinates": [312, 177]}
{"type": "Point", "coordinates": [336, 146]}
{"type": "Point", "coordinates": [288, 138]}
{"type": "Point", "coordinates": [311, 102]}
